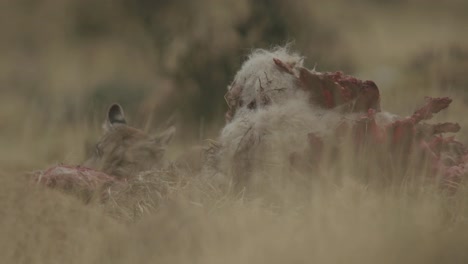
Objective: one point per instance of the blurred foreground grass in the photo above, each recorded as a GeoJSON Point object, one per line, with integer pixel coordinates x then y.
{"type": "Point", "coordinates": [346, 223]}
{"type": "Point", "coordinates": [63, 62]}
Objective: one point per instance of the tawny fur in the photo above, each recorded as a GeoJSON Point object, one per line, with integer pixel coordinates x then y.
{"type": "Point", "coordinates": [124, 151]}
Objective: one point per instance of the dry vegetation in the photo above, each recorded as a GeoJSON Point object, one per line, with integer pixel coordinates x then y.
{"type": "Point", "coordinates": [63, 62]}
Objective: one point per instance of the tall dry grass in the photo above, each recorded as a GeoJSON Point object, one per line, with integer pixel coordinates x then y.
{"type": "Point", "coordinates": [327, 222]}
{"type": "Point", "coordinates": [62, 62]}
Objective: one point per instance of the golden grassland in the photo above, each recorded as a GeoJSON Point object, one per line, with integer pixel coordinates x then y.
{"type": "Point", "coordinates": [46, 118]}
{"type": "Point", "coordinates": [331, 223]}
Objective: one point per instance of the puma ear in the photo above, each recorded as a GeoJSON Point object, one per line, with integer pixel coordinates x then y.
{"type": "Point", "coordinates": [165, 137]}
{"type": "Point", "coordinates": [115, 115]}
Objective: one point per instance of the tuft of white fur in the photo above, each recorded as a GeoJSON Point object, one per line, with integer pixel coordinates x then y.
{"type": "Point", "coordinates": [267, 137]}
{"type": "Point", "coordinates": [386, 118]}
{"type": "Point", "coordinates": [260, 140]}
{"type": "Point", "coordinates": [260, 76]}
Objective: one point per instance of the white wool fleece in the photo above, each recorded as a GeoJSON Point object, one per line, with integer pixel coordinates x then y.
{"type": "Point", "coordinates": [265, 136]}
{"type": "Point", "coordinates": [259, 75]}
{"type": "Point", "coordinates": [271, 134]}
